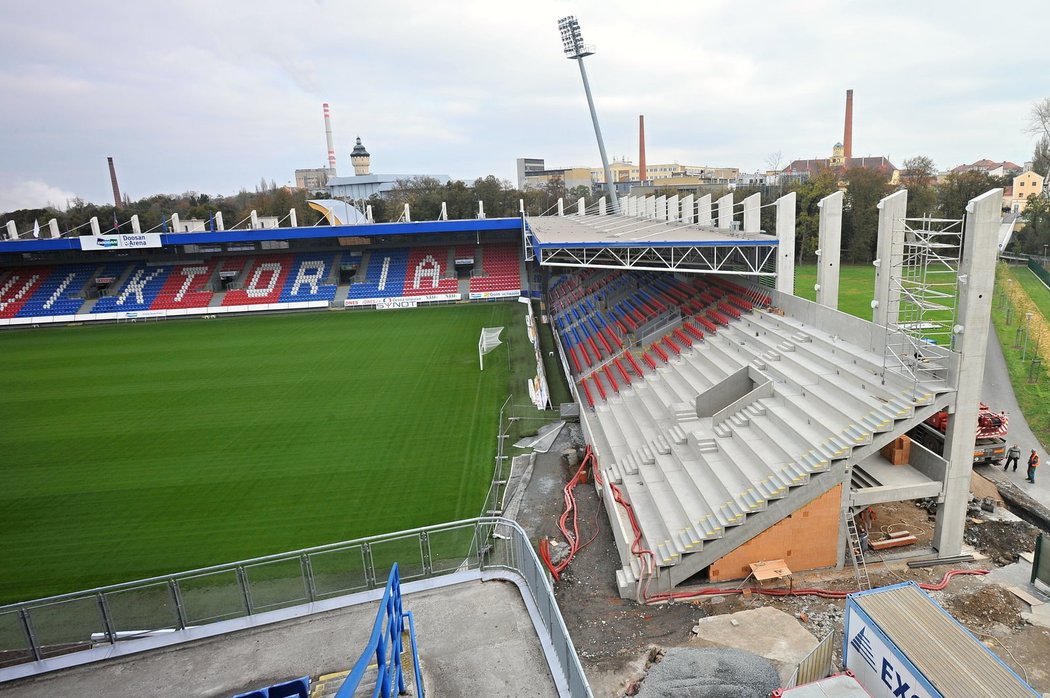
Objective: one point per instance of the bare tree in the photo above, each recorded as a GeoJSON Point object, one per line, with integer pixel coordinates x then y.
{"type": "Point", "coordinates": [1039, 119]}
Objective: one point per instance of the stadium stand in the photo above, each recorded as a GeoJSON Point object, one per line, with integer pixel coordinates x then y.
{"type": "Point", "coordinates": [428, 272]}
{"type": "Point", "coordinates": [264, 283]}
{"type": "Point", "coordinates": [309, 280]}
{"type": "Point", "coordinates": [62, 293]}
{"type": "Point", "coordinates": [17, 287]}
{"type": "Point", "coordinates": [501, 270]}
{"type": "Point", "coordinates": [188, 286]}
{"type": "Point", "coordinates": [138, 291]}
{"type": "Point", "coordinates": [385, 276]}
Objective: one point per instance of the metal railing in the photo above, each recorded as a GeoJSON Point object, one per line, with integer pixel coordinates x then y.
{"type": "Point", "coordinates": [106, 616]}
{"type": "Point", "coordinates": [385, 647]}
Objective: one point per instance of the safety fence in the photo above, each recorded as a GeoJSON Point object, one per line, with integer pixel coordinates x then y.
{"type": "Point", "coordinates": [817, 664]}
{"type": "Point", "coordinates": [105, 617]}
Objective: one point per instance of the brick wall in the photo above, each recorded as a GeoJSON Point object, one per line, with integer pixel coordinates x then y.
{"type": "Point", "coordinates": [805, 540]}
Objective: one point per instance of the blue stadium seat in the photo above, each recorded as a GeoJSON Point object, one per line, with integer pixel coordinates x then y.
{"type": "Point", "coordinates": [308, 279]}
{"type": "Point", "coordinates": [378, 284]}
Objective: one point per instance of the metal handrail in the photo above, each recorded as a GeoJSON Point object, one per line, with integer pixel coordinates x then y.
{"type": "Point", "coordinates": [509, 555]}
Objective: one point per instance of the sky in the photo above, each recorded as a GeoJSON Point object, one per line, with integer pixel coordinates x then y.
{"type": "Point", "coordinates": [206, 96]}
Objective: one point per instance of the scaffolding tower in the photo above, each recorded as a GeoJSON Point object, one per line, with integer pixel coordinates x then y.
{"type": "Point", "coordinates": [923, 321]}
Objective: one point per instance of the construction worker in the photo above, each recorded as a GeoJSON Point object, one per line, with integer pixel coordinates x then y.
{"type": "Point", "coordinates": [1011, 456]}
{"type": "Point", "coordinates": [1033, 463]}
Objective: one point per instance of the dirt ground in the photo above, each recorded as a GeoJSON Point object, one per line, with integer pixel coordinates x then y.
{"type": "Point", "coordinates": [613, 636]}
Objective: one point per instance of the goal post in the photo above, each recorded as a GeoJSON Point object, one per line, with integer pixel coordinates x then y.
{"type": "Point", "coordinates": [488, 341]}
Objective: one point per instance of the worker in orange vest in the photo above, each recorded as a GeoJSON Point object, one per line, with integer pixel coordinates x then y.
{"type": "Point", "coordinates": [1033, 463]}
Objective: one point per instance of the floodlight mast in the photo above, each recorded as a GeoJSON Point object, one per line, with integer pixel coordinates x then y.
{"type": "Point", "coordinates": [572, 42]}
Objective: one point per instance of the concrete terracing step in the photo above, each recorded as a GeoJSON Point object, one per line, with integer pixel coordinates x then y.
{"type": "Point", "coordinates": [786, 346]}
{"type": "Point", "coordinates": [723, 431]}
{"type": "Point", "coordinates": [629, 464]}
{"type": "Point", "coordinates": [660, 445]}
{"type": "Point", "coordinates": [706, 445]}
{"type": "Point", "coordinates": [677, 434]}
{"type": "Point", "coordinates": [801, 337]}
{"type": "Point", "coordinates": [645, 454]}
{"type": "Point", "coordinates": [739, 420]}
{"type": "Point", "coordinates": [684, 412]}
{"type": "Point", "coordinates": [759, 364]}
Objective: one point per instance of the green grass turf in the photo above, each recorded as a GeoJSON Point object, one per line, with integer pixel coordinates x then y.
{"type": "Point", "coordinates": [856, 287]}
{"type": "Point", "coordinates": [136, 450]}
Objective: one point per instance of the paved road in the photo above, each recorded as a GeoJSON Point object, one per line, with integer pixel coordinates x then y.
{"type": "Point", "coordinates": [999, 395]}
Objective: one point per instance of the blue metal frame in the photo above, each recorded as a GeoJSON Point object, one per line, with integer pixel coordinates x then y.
{"type": "Point", "coordinates": [385, 646]}
{"type": "Point", "coordinates": [301, 233]}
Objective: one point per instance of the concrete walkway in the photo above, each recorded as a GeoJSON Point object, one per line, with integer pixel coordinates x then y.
{"type": "Point", "coordinates": [999, 395]}
{"type": "Point", "coordinates": [475, 639]}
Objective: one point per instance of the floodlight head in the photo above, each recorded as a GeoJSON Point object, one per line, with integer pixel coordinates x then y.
{"type": "Point", "coordinates": [572, 38]}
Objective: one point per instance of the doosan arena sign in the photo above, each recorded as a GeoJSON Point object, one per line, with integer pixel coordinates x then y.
{"type": "Point", "coordinates": [128, 241]}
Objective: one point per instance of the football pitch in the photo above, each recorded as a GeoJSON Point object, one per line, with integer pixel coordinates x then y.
{"type": "Point", "coordinates": [142, 449]}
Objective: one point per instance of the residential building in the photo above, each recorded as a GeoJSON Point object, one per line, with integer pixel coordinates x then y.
{"type": "Point", "coordinates": [1015, 197]}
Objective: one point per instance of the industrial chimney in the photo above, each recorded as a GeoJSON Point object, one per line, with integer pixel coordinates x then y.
{"type": "Point", "coordinates": [847, 136]}
{"type": "Point", "coordinates": [331, 143]}
{"type": "Point", "coordinates": [117, 201]}
{"type": "Point", "coordinates": [641, 147]}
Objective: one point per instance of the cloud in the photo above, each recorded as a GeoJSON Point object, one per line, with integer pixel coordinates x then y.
{"type": "Point", "coordinates": [33, 194]}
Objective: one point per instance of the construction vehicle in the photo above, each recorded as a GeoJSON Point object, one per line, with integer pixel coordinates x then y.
{"type": "Point", "coordinates": [990, 447]}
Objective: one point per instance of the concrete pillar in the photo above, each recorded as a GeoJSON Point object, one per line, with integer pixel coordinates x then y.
{"type": "Point", "coordinates": [95, 230]}
{"type": "Point", "coordinates": [52, 225]}
{"type": "Point", "coordinates": [136, 227]}
{"type": "Point", "coordinates": [829, 254]}
{"type": "Point", "coordinates": [786, 244]}
{"type": "Point", "coordinates": [12, 230]}
{"type": "Point", "coordinates": [976, 281]}
{"type": "Point", "coordinates": [660, 213]}
{"type": "Point", "coordinates": [629, 206]}
{"type": "Point", "coordinates": [219, 225]}
{"type": "Point", "coordinates": [255, 220]}
{"type": "Point", "coordinates": [672, 208]}
{"type": "Point", "coordinates": [406, 215]}
{"type": "Point", "coordinates": [368, 214]}
{"type": "Point", "coordinates": [561, 207]}
{"type": "Point", "coordinates": [725, 212]}
{"type": "Point", "coordinates": [688, 212]}
{"type": "Point", "coordinates": [650, 207]}
{"type": "Point", "coordinates": [889, 254]}
{"type": "Point", "coordinates": [293, 219]}
{"type": "Point", "coordinates": [752, 213]}
{"type": "Point", "coordinates": [703, 211]}
{"type": "Point", "coordinates": [443, 216]}
{"type": "Point", "coordinates": [481, 208]}
{"type": "Point", "coordinates": [601, 206]}
{"type": "Point", "coordinates": [581, 207]}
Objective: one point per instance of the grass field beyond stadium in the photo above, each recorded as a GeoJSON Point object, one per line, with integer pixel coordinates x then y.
{"type": "Point", "coordinates": [136, 450]}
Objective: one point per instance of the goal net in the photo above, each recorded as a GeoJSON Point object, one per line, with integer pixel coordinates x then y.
{"type": "Point", "coordinates": [489, 340]}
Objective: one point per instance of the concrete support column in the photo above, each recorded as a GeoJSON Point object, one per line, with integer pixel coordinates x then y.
{"type": "Point", "coordinates": [752, 213]}
{"type": "Point", "coordinates": [12, 231]}
{"type": "Point", "coordinates": [976, 281]}
{"type": "Point", "coordinates": [95, 230]}
{"type": "Point", "coordinates": [53, 226]}
{"type": "Point", "coordinates": [561, 207]}
{"type": "Point", "coordinates": [443, 216]}
{"type": "Point", "coordinates": [703, 211]}
{"type": "Point", "coordinates": [293, 219]}
{"type": "Point", "coordinates": [786, 244]}
{"type": "Point", "coordinates": [254, 221]}
{"type": "Point", "coordinates": [632, 206]}
{"type": "Point", "coordinates": [601, 206]}
{"type": "Point", "coordinates": [481, 208]}
{"type": "Point", "coordinates": [725, 212]}
{"type": "Point", "coordinates": [688, 210]}
{"type": "Point", "coordinates": [219, 225]}
{"type": "Point", "coordinates": [136, 227]}
{"type": "Point", "coordinates": [368, 214]}
{"type": "Point", "coordinates": [829, 238]}
{"type": "Point", "coordinates": [889, 254]}
{"type": "Point", "coordinates": [581, 207]}
{"type": "Point", "coordinates": [650, 207]}
{"type": "Point", "coordinates": [660, 213]}
{"type": "Point", "coordinates": [407, 214]}
{"type": "Point", "coordinates": [672, 208]}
